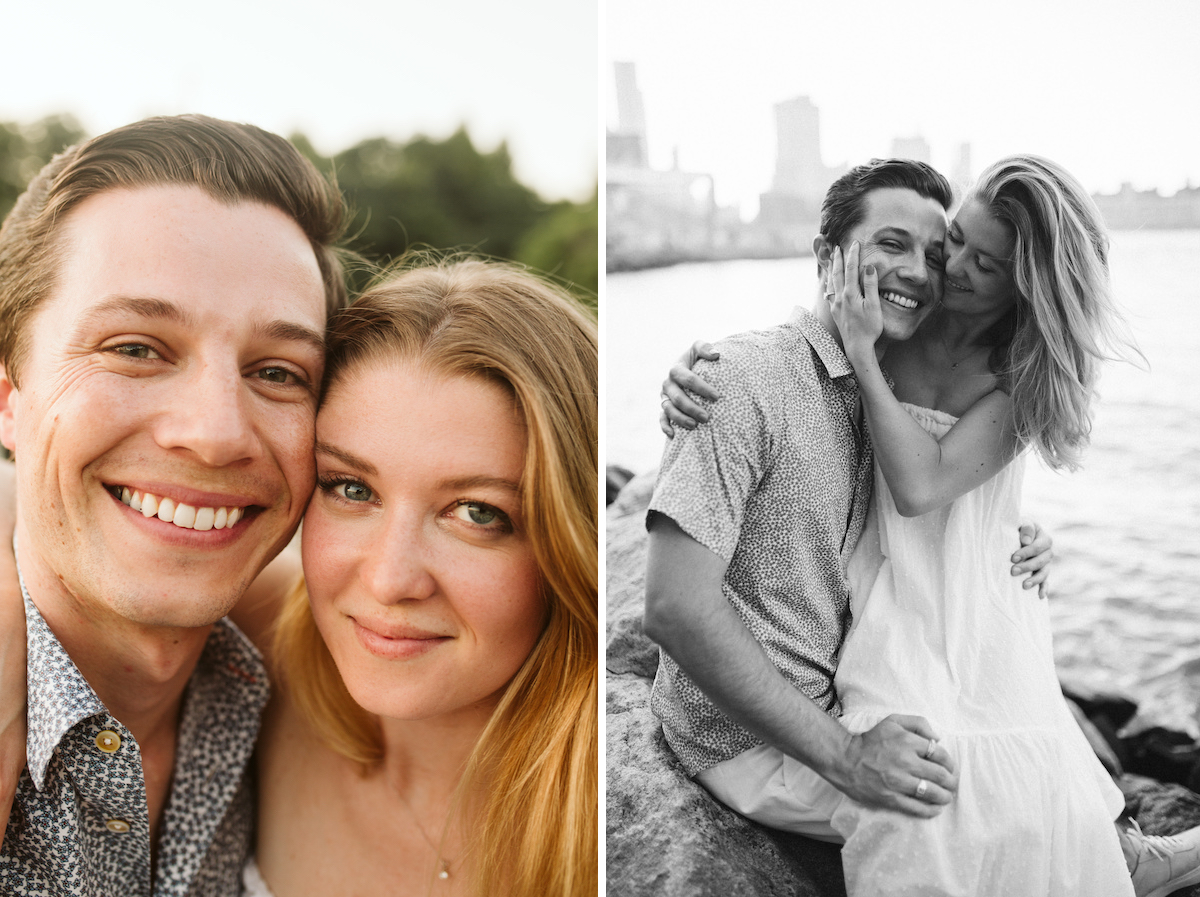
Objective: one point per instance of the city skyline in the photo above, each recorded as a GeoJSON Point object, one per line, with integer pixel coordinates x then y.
{"type": "Point", "coordinates": [1029, 78]}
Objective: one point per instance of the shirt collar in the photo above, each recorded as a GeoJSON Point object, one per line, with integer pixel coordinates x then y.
{"type": "Point", "coordinates": [59, 696]}
{"type": "Point", "coordinates": [831, 354]}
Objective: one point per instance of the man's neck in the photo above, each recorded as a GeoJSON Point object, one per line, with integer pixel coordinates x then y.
{"type": "Point", "coordinates": [138, 671]}
{"type": "Point", "coordinates": [824, 315]}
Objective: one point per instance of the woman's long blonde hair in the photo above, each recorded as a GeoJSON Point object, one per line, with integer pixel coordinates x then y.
{"type": "Point", "coordinates": [1065, 321]}
{"type": "Point", "coordinates": [536, 761]}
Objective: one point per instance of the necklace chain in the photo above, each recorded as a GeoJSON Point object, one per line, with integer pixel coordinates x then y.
{"type": "Point", "coordinates": [443, 863]}
{"type": "Point", "coordinates": [950, 356]}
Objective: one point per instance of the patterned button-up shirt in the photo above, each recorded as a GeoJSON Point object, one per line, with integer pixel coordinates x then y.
{"type": "Point", "coordinates": [79, 824]}
{"type": "Point", "coordinates": [777, 484]}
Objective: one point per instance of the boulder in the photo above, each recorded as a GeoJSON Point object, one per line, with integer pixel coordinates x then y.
{"type": "Point", "coordinates": [666, 837]}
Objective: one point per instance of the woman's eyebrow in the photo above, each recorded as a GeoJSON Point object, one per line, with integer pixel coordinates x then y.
{"type": "Point", "coordinates": [348, 458]}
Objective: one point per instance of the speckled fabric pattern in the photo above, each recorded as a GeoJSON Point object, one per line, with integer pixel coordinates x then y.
{"type": "Point", "coordinates": [80, 825]}
{"type": "Point", "coordinates": [777, 483]}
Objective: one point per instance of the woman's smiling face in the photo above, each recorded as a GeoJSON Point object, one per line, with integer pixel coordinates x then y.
{"type": "Point", "coordinates": [979, 262]}
{"type": "Point", "coordinates": [422, 578]}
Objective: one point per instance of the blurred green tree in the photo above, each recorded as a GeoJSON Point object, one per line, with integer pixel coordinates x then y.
{"type": "Point", "coordinates": [24, 149]}
{"type": "Point", "coordinates": [442, 194]}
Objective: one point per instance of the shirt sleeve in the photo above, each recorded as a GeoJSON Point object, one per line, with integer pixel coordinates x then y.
{"type": "Point", "coordinates": [709, 474]}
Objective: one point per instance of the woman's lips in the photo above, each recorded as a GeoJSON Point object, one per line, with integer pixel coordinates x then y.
{"type": "Point", "coordinates": [397, 644]}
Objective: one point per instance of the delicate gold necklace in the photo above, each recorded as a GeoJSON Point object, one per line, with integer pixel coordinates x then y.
{"type": "Point", "coordinates": [443, 864]}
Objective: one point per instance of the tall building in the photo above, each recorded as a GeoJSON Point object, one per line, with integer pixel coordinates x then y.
{"type": "Point", "coordinates": [627, 144]}
{"type": "Point", "coordinates": [789, 213]}
{"type": "Point", "coordinates": [961, 174]}
{"type": "Point", "coordinates": [912, 148]}
{"type": "Point", "coordinates": [799, 170]}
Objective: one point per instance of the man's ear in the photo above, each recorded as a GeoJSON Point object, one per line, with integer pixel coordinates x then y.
{"type": "Point", "coordinates": [823, 250]}
{"type": "Point", "coordinates": [8, 411]}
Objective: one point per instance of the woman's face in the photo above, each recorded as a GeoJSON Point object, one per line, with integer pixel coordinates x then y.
{"type": "Point", "coordinates": [421, 575]}
{"type": "Point", "coordinates": [979, 250]}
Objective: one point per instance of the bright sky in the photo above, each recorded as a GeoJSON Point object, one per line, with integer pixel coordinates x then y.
{"type": "Point", "coordinates": [1110, 90]}
{"type": "Point", "coordinates": [524, 71]}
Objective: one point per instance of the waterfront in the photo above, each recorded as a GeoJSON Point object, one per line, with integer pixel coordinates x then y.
{"type": "Point", "coordinates": [1127, 528]}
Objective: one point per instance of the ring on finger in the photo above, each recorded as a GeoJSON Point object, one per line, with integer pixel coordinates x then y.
{"type": "Point", "coordinates": [928, 755]}
{"type": "Point", "coordinates": [921, 790]}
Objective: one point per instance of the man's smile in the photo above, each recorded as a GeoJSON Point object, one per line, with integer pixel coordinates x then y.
{"type": "Point", "coordinates": [177, 512]}
{"type": "Point", "coordinates": [898, 299]}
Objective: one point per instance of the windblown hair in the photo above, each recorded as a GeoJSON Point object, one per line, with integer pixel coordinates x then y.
{"type": "Point", "coordinates": [845, 200]}
{"type": "Point", "coordinates": [231, 162]}
{"type": "Point", "coordinates": [1065, 321]}
{"type": "Point", "coordinates": [536, 762]}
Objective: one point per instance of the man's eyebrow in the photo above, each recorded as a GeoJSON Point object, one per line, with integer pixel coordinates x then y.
{"type": "Point", "coordinates": [142, 306]}
{"type": "Point", "coordinates": [153, 308]}
{"type": "Point", "coordinates": [293, 332]}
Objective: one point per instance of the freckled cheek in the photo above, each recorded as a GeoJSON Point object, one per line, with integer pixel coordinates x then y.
{"type": "Point", "coordinates": [329, 554]}
{"type": "Point", "coordinates": [291, 442]}
{"type": "Point", "coordinates": [507, 610]}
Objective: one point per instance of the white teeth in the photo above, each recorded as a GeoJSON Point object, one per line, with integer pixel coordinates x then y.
{"type": "Point", "coordinates": [902, 301]}
{"type": "Point", "coordinates": [182, 515]}
{"type": "Point", "coordinates": [185, 516]}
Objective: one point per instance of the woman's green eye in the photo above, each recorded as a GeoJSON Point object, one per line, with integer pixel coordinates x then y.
{"type": "Point", "coordinates": [353, 492]}
{"type": "Point", "coordinates": [483, 515]}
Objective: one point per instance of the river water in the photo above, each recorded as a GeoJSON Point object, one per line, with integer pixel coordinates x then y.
{"type": "Point", "coordinates": [1126, 584]}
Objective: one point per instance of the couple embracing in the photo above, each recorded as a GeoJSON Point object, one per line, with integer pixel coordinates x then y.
{"type": "Point", "coordinates": [844, 655]}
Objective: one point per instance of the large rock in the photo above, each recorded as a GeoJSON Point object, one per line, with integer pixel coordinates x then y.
{"type": "Point", "coordinates": [666, 837]}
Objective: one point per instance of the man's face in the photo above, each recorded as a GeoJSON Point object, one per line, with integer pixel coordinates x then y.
{"type": "Point", "coordinates": [901, 234]}
{"type": "Point", "coordinates": [179, 357]}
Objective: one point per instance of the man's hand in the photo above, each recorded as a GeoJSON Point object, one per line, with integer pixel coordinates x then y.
{"type": "Point", "coordinates": [886, 766]}
{"type": "Point", "coordinates": [678, 408]}
{"type": "Point", "coordinates": [1033, 557]}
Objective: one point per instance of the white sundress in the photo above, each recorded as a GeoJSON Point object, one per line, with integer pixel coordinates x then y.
{"type": "Point", "coordinates": [946, 633]}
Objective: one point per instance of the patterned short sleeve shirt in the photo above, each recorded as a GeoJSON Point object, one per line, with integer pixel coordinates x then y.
{"type": "Point", "coordinates": [80, 826]}
{"type": "Point", "coordinates": [777, 484]}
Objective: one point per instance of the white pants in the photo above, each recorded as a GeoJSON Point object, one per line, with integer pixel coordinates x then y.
{"type": "Point", "coordinates": [766, 785]}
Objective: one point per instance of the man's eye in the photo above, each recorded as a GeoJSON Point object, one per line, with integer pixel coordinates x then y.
{"type": "Point", "coordinates": [136, 350]}
{"type": "Point", "coordinates": [276, 375]}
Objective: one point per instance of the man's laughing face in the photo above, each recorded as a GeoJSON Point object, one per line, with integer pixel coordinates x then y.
{"type": "Point", "coordinates": [163, 426]}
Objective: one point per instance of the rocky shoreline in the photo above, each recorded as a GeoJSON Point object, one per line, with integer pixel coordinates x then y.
{"type": "Point", "coordinates": [666, 837]}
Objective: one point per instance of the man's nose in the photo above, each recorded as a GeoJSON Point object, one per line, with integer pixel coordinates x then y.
{"type": "Point", "coordinates": [210, 416]}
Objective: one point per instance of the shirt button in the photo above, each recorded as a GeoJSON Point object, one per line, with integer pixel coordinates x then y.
{"type": "Point", "coordinates": [120, 826]}
{"type": "Point", "coordinates": [108, 741]}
